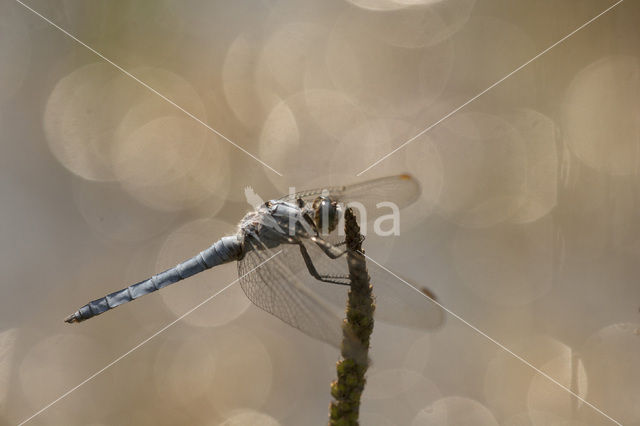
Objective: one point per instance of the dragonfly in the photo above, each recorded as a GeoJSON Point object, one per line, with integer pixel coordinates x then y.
{"type": "Point", "coordinates": [292, 262]}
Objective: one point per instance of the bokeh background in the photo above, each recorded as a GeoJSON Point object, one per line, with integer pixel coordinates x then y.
{"type": "Point", "coordinates": [528, 224]}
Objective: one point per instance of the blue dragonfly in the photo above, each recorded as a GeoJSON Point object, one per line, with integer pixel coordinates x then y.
{"type": "Point", "coordinates": [292, 264]}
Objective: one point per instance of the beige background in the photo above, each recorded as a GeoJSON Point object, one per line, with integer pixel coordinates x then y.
{"type": "Point", "coordinates": [528, 225]}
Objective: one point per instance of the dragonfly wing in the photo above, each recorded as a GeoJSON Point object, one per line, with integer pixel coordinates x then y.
{"type": "Point", "coordinates": [335, 294]}
{"type": "Point", "coordinates": [399, 304]}
{"type": "Point", "coordinates": [310, 194]}
{"type": "Point", "coordinates": [277, 289]}
{"type": "Point", "coordinates": [400, 190]}
{"type": "Point", "coordinates": [396, 303]}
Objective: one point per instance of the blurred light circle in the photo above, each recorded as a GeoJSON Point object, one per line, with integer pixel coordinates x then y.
{"type": "Point", "coordinates": [455, 410]}
{"type": "Point", "coordinates": [602, 115]}
{"type": "Point", "coordinates": [15, 50]}
{"type": "Point", "coordinates": [427, 23]}
{"type": "Point", "coordinates": [366, 143]}
{"type": "Point", "coordinates": [548, 397]}
{"type": "Point", "coordinates": [507, 380]}
{"type": "Point", "coordinates": [147, 106]}
{"type": "Point", "coordinates": [611, 359]}
{"type": "Point", "coordinates": [585, 220]}
{"type": "Point", "coordinates": [54, 364]}
{"type": "Point", "coordinates": [245, 373]}
{"type": "Point", "coordinates": [173, 163]}
{"type": "Point", "coordinates": [369, 141]}
{"type": "Point", "coordinates": [301, 134]}
{"type": "Point", "coordinates": [114, 215]}
{"type": "Point", "coordinates": [484, 166]}
{"type": "Point", "coordinates": [377, 5]}
{"type": "Point", "coordinates": [239, 81]}
{"type": "Point", "coordinates": [455, 12]}
{"type": "Point", "coordinates": [8, 339]}
{"type": "Point", "coordinates": [492, 48]}
{"type": "Point", "coordinates": [332, 111]}
{"type": "Point", "coordinates": [205, 180]}
{"type": "Point", "coordinates": [285, 57]}
{"type": "Point", "coordinates": [541, 136]}
{"type": "Point", "coordinates": [184, 243]}
{"type": "Point", "coordinates": [206, 23]}
{"type": "Point", "coordinates": [92, 111]}
{"type": "Point", "coordinates": [80, 119]}
{"type": "Point", "coordinates": [184, 370]}
{"type": "Point", "coordinates": [406, 27]}
{"type": "Point", "coordinates": [160, 151]}
{"type": "Point", "coordinates": [250, 417]}
{"type": "Point", "coordinates": [384, 80]}
{"type": "Point", "coordinates": [506, 265]}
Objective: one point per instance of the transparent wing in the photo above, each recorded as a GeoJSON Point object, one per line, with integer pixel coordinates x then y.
{"type": "Point", "coordinates": [276, 287]}
{"type": "Point", "coordinates": [334, 294]}
{"type": "Point", "coordinates": [396, 303]}
{"type": "Point", "coordinates": [401, 190]}
{"type": "Point", "coordinates": [399, 304]}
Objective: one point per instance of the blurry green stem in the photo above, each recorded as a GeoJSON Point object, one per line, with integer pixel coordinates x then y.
{"type": "Point", "coordinates": [357, 329]}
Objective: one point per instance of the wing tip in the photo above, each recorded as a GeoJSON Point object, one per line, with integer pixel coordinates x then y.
{"type": "Point", "coordinates": [411, 181]}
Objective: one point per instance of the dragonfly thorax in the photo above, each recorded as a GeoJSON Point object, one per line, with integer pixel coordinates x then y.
{"type": "Point", "coordinates": [277, 222]}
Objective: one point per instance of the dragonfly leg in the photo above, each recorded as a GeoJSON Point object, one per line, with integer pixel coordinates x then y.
{"type": "Point", "coordinates": [341, 243]}
{"type": "Point", "coordinates": [333, 279]}
{"type": "Point", "coordinates": [329, 249]}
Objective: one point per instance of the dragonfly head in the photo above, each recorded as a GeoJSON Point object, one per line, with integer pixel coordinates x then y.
{"type": "Point", "coordinates": [326, 214]}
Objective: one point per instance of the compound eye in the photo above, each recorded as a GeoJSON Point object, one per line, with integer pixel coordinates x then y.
{"type": "Point", "coordinates": [300, 202]}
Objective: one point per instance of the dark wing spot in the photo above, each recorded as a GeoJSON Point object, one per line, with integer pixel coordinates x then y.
{"type": "Point", "coordinates": [428, 293]}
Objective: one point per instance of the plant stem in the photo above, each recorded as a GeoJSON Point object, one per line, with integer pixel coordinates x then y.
{"type": "Point", "coordinates": [356, 329]}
